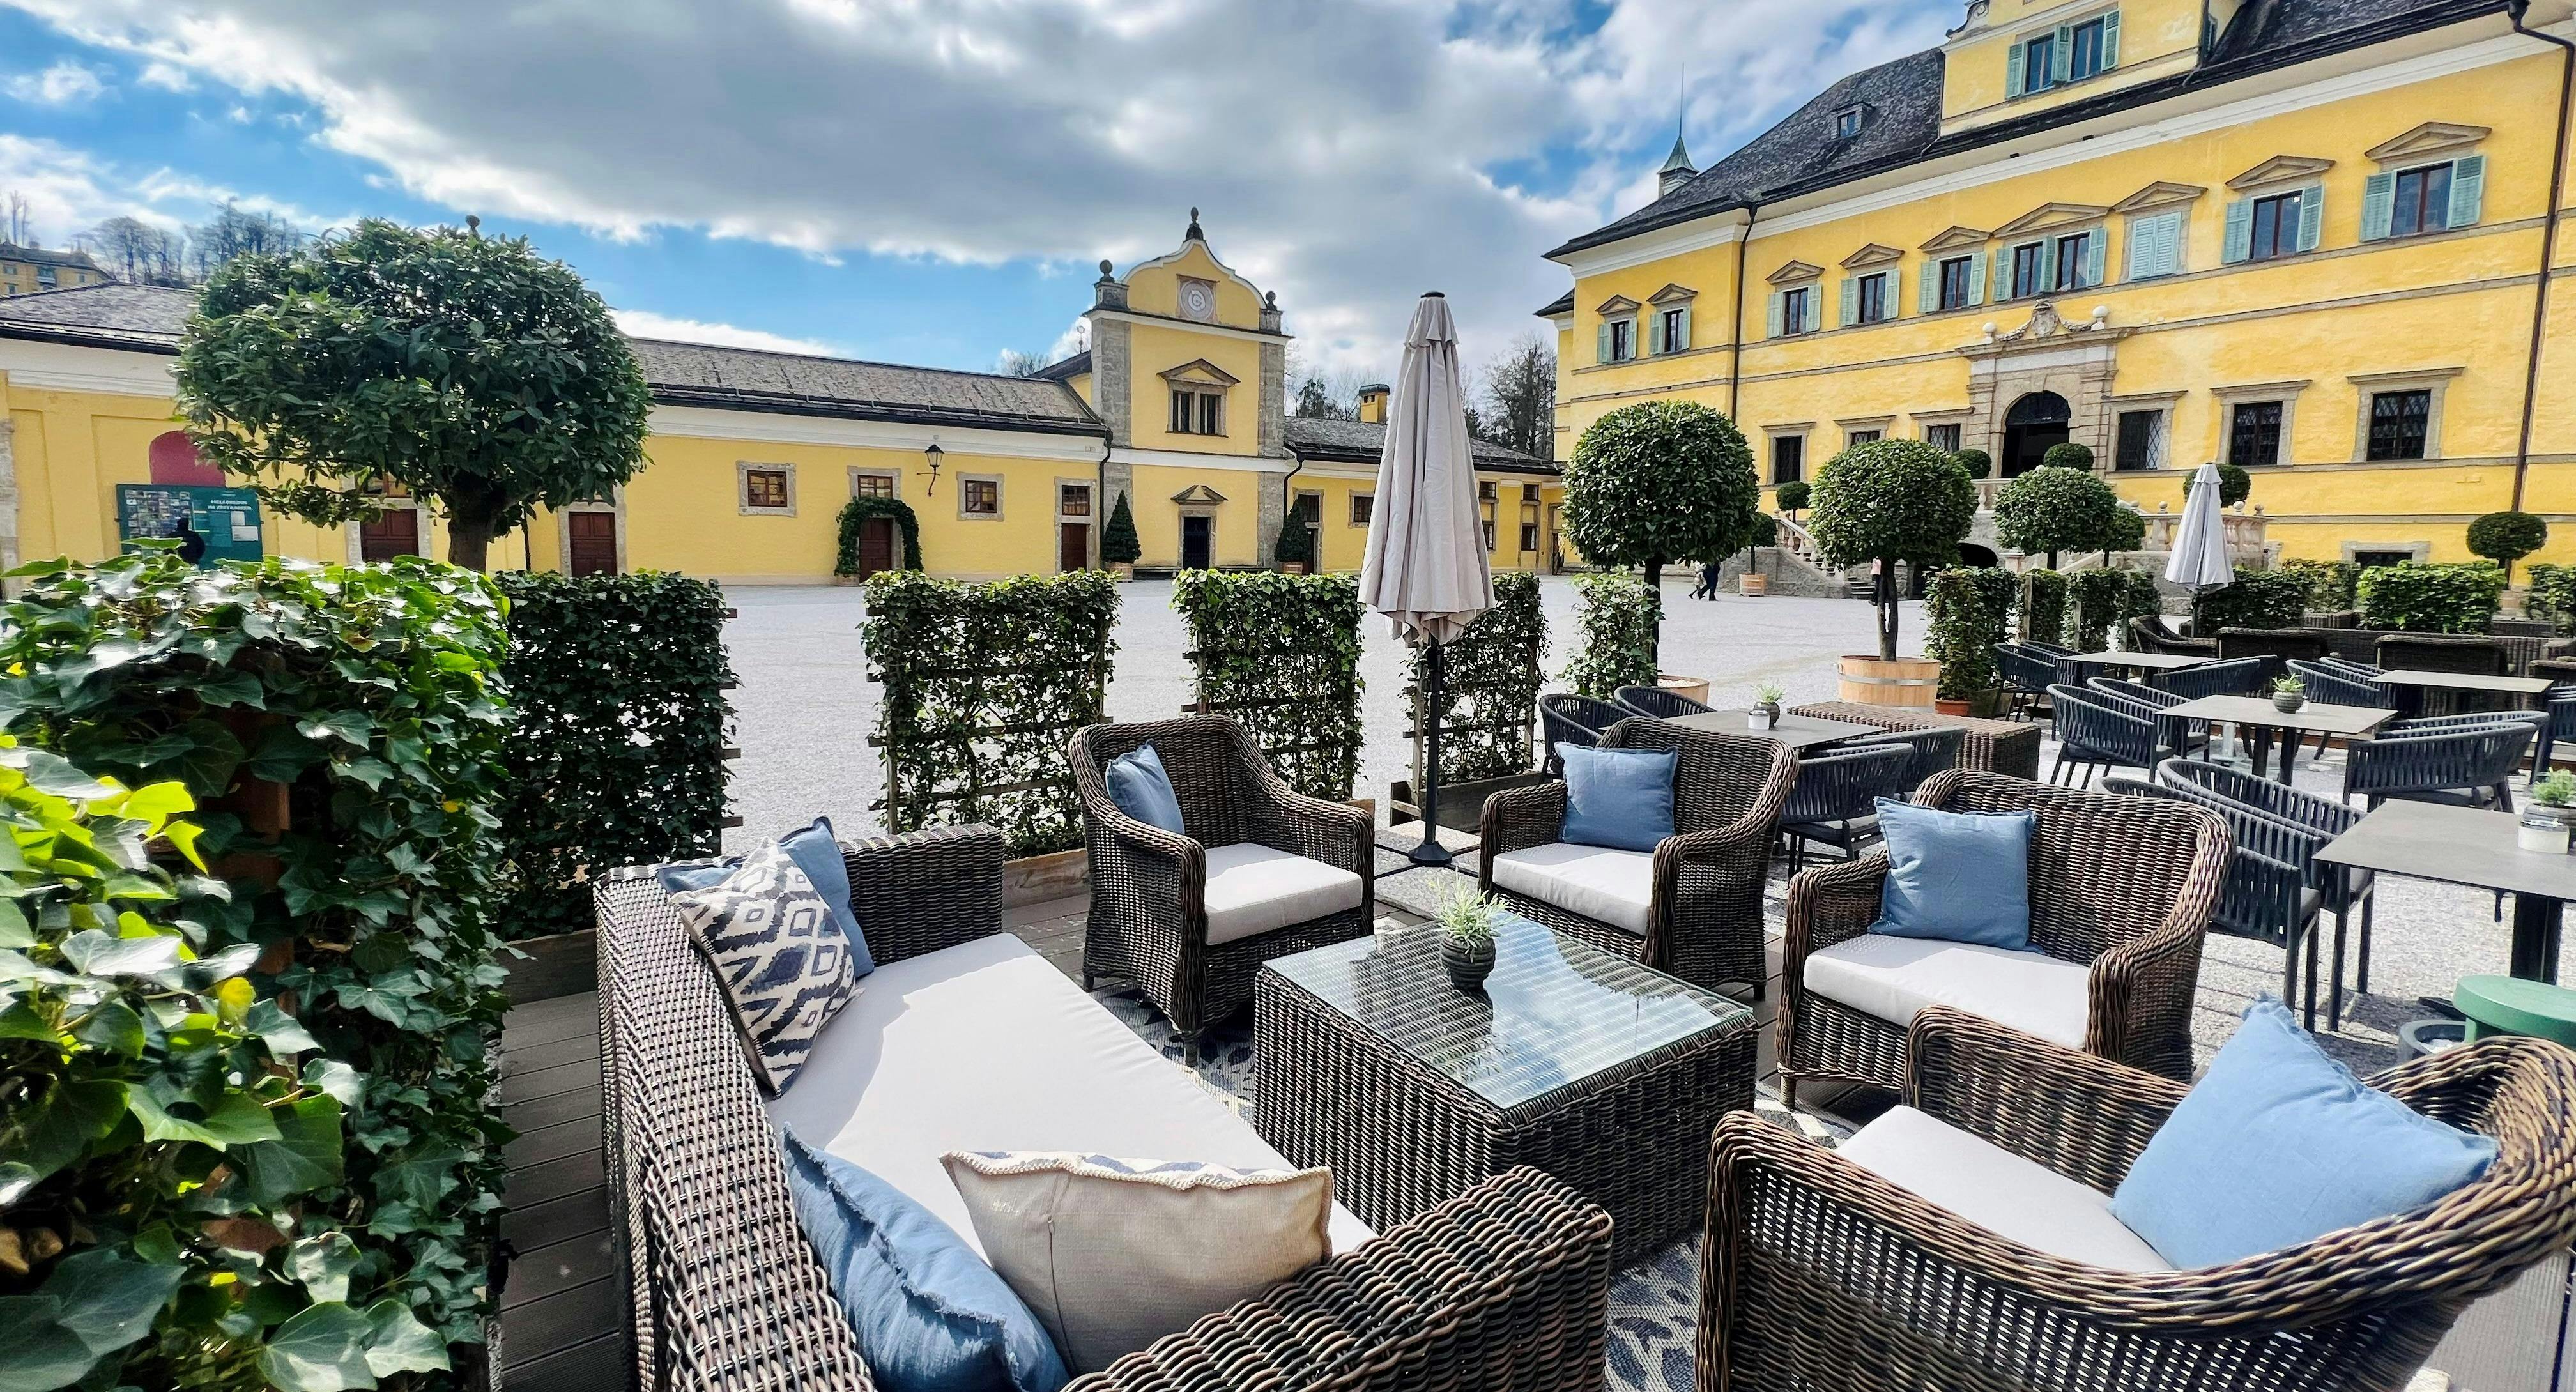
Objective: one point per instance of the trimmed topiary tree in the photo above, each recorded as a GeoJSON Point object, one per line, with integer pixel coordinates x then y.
{"type": "Point", "coordinates": [1793, 495]}
{"type": "Point", "coordinates": [2049, 510]}
{"type": "Point", "coordinates": [2234, 484]}
{"type": "Point", "coordinates": [1660, 482]}
{"type": "Point", "coordinates": [1977, 462]}
{"type": "Point", "coordinates": [1296, 544]}
{"type": "Point", "coordinates": [1118, 543]}
{"type": "Point", "coordinates": [1892, 502]}
{"type": "Point", "coordinates": [2506, 537]}
{"type": "Point", "coordinates": [2066, 454]}
{"type": "Point", "coordinates": [467, 369]}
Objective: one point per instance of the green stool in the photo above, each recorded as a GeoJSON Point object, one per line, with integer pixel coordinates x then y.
{"type": "Point", "coordinates": [2511, 1005]}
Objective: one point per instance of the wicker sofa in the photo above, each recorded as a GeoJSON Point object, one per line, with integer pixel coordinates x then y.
{"type": "Point", "coordinates": [1505, 1286]}
{"type": "Point", "coordinates": [1828, 1269]}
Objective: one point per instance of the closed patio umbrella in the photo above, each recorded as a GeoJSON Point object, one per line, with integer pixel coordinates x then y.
{"type": "Point", "coordinates": [2199, 561]}
{"type": "Point", "coordinates": [1425, 568]}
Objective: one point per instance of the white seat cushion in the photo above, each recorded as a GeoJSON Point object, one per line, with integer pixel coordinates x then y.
{"type": "Point", "coordinates": [1606, 885]}
{"type": "Point", "coordinates": [986, 1046]}
{"type": "Point", "coordinates": [1997, 1190]}
{"type": "Point", "coordinates": [1893, 978]}
{"type": "Point", "coordinates": [1252, 888]}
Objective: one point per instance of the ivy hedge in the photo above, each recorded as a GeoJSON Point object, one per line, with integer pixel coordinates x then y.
{"type": "Point", "coordinates": [982, 686]}
{"type": "Point", "coordinates": [2330, 583]}
{"type": "Point", "coordinates": [907, 528]}
{"type": "Point", "coordinates": [1491, 677]}
{"type": "Point", "coordinates": [1281, 654]}
{"type": "Point", "coordinates": [2458, 597]}
{"type": "Point", "coordinates": [2553, 594]}
{"type": "Point", "coordinates": [618, 684]}
{"type": "Point", "coordinates": [341, 728]}
{"type": "Point", "coordinates": [1615, 618]}
{"type": "Point", "coordinates": [2043, 606]}
{"type": "Point", "coordinates": [2105, 601]}
{"type": "Point", "coordinates": [1968, 608]}
{"type": "Point", "coordinates": [2258, 599]}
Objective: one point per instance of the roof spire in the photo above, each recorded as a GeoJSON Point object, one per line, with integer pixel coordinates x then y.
{"type": "Point", "coordinates": [1677, 169]}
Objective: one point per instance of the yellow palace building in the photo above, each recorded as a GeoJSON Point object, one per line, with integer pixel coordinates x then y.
{"type": "Point", "coordinates": [1179, 404]}
{"type": "Point", "coordinates": [2309, 237]}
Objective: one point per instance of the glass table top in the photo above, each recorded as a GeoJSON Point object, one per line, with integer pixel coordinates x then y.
{"type": "Point", "coordinates": [1555, 1011]}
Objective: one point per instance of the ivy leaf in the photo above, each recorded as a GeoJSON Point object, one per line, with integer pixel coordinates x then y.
{"type": "Point", "coordinates": [213, 755]}
{"type": "Point", "coordinates": [283, 1033]}
{"type": "Point", "coordinates": [283, 754]}
{"type": "Point", "coordinates": [113, 1026]}
{"type": "Point", "coordinates": [305, 1157]}
{"type": "Point", "coordinates": [336, 1078]}
{"type": "Point", "coordinates": [399, 1343]}
{"type": "Point", "coordinates": [420, 1178]}
{"type": "Point", "coordinates": [43, 1355]}
{"type": "Point", "coordinates": [109, 1301]}
{"type": "Point", "coordinates": [323, 1263]}
{"type": "Point", "coordinates": [232, 689]}
{"type": "Point", "coordinates": [21, 1021]}
{"type": "Point", "coordinates": [104, 954]}
{"type": "Point", "coordinates": [14, 929]}
{"type": "Point", "coordinates": [322, 1349]}
{"type": "Point", "coordinates": [48, 772]}
{"type": "Point", "coordinates": [66, 1120]}
{"type": "Point", "coordinates": [239, 1119]}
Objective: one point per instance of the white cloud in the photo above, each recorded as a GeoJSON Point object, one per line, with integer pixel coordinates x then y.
{"type": "Point", "coordinates": [1342, 150]}
{"type": "Point", "coordinates": [644, 323]}
{"type": "Point", "coordinates": [69, 191]}
{"type": "Point", "coordinates": [63, 84]}
{"type": "Point", "coordinates": [169, 77]}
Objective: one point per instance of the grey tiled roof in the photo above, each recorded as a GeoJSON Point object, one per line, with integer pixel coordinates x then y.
{"type": "Point", "coordinates": [150, 318]}
{"type": "Point", "coordinates": [1065, 369]}
{"type": "Point", "coordinates": [1562, 304]}
{"type": "Point", "coordinates": [1350, 441]}
{"type": "Point", "coordinates": [1902, 100]}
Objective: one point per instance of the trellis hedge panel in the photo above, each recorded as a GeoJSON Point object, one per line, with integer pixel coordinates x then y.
{"type": "Point", "coordinates": [2451, 597]}
{"type": "Point", "coordinates": [1970, 612]}
{"type": "Point", "coordinates": [1280, 653]}
{"type": "Point", "coordinates": [982, 685]}
{"type": "Point", "coordinates": [617, 758]}
{"type": "Point", "coordinates": [1616, 616]}
{"type": "Point", "coordinates": [1491, 677]}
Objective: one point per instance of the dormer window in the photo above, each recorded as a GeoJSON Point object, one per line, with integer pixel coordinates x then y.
{"type": "Point", "coordinates": [1847, 123]}
{"type": "Point", "coordinates": [2039, 63]}
{"type": "Point", "coordinates": [2067, 53]}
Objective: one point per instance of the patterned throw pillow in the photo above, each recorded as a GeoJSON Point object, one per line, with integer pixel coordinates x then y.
{"type": "Point", "coordinates": [783, 961]}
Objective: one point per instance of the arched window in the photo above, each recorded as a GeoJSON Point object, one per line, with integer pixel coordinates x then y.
{"type": "Point", "coordinates": [2039, 408]}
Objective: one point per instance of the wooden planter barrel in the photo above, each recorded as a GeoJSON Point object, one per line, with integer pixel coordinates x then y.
{"type": "Point", "coordinates": [1907, 682]}
{"type": "Point", "coordinates": [1752, 583]}
{"type": "Point", "coordinates": [1693, 688]}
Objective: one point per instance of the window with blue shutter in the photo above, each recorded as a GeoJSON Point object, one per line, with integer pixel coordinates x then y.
{"type": "Point", "coordinates": [2155, 246]}
{"type": "Point", "coordinates": [1654, 335]}
{"type": "Point", "coordinates": [2420, 200]}
{"type": "Point", "coordinates": [2239, 243]}
{"type": "Point", "coordinates": [2378, 205]}
{"type": "Point", "coordinates": [2084, 50]}
{"type": "Point", "coordinates": [2312, 216]}
{"type": "Point", "coordinates": [2061, 52]}
{"type": "Point", "coordinates": [1927, 286]}
{"type": "Point", "coordinates": [2003, 273]}
{"type": "Point", "coordinates": [2468, 186]}
{"type": "Point", "coordinates": [1601, 347]}
{"type": "Point", "coordinates": [2110, 41]}
{"type": "Point", "coordinates": [2095, 249]}
{"type": "Point", "coordinates": [1851, 301]}
{"type": "Point", "coordinates": [2012, 71]}
{"type": "Point", "coordinates": [1772, 327]}
{"type": "Point", "coordinates": [1976, 279]}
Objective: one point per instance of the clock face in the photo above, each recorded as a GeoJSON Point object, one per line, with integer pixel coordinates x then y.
{"type": "Point", "coordinates": [1196, 300]}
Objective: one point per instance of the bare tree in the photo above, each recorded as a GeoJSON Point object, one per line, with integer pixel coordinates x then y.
{"type": "Point", "coordinates": [1015, 363]}
{"type": "Point", "coordinates": [1519, 398]}
{"type": "Point", "coordinates": [22, 222]}
{"type": "Point", "coordinates": [233, 232]}
{"type": "Point", "coordinates": [135, 251]}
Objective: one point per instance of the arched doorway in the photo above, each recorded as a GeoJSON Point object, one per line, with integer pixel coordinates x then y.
{"type": "Point", "coordinates": [2035, 422]}
{"type": "Point", "coordinates": [1971, 554]}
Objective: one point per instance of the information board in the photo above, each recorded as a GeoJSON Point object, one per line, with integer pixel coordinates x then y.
{"type": "Point", "coordinates": [211, 524]}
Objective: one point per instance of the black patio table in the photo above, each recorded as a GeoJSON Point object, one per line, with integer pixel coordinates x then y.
{"type": "Point", "coordinates": [2475, 847]}
{"type": "Point", "coordinates": [2261, 717]}
{"type": "Point", "coordinates": [2148, 665]}
{"type": "Point", "coordinates": [2410, 685]}
{"type": "Point", "coordinates": [1799, 732]}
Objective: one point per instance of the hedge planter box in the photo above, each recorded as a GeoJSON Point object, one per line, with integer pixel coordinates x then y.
{"type": "Point", "coordinates": [1462, 805]}
{"type": "Point", "coordinates": [1908, 683]}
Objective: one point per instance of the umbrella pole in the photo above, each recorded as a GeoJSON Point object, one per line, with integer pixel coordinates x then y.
{"type": "Point", "coordinates": [1434, 681]}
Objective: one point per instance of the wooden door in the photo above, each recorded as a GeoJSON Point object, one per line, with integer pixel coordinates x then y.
{"type": "Point", "coordinates": [1197, 542]}
{"type": "Point", "coordinates": [1073, 546]}
{"type": "Point", "coordinates": [594, 543]}
{"type": "Point", "coordinates": [393, 532]}
{"type": "Point", "coordinates": [876, 545]}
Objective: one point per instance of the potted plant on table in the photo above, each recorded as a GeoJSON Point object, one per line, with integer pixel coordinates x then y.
{"type": "Point", "coordinates": [2288, 694]}
{"type": "Point", "coordinates": [1766, 706]}
{"type": "Point", "coordinates": [1466, 922]}
{"type": "Point", "coordinates": [2553, 806]}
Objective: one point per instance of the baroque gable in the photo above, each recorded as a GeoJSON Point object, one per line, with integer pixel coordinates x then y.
{"type": "Point", "coordinates": [1795, 271]}
{"type": "Point", "coordinates": [1954, 237]}
{"type": "Point", "coordinates": [2163, 193]}
{"type": "Point", "coordinates": [1199, 372]}
{"type": "Point", "coordinates": [1617, 304]}
{"type": "Point", "coordinates": [1672, 294]}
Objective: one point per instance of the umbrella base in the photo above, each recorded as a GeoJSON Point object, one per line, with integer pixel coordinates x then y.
{"type": "Point", "coordinates": [1430, 852]}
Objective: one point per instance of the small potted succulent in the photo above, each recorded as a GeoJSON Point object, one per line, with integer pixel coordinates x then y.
{"type": "Point", "coordinates": [2289, 693]}
{"type": "Point", "coordinates": [1766, 706]}
{"type": "Point", "coordinates": [1466, 922]}
{"type": "Point", "coordinates": [2552, 808]}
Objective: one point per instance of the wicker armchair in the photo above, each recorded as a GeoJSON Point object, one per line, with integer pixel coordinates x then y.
{"type": "Point", "coordinates": [1818, 1273]}
{"type": "Point", "coordinates": [1656, 702]}
{"type": "Point", "coordinates": [1565, 718]}
{"type": "Point", "coordinates": [2467, 765]}
{"type": "Point", "coordinates": [1835, 798]}
{"type": "Point", "coordinates": [1505, 1286]}
{"type": "Point", "coordinates": [2120, 885]}
{"type": "Point", "coordinates": [1702, 919]}
{"type": "Point", "coordinates": [1997, 746]}
{"type": "Point", "coordinates": [1149, 912]}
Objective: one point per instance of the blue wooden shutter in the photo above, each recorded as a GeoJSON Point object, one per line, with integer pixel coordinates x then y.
{"type": "Point", "coordinates": [2110, 40]}
{"type": "Point", "coordinates": [1927, 286]}
{"type": "Point", "coordinates": [2378, 203]}
{"type": "Point", "coordinates": [1976, 279]}
{"type": "Point", "coordinates": [1774, 329]}
{"type": "Point", "coordinates": [2468, 183]}
{"type": "Point", "coordinates": [1682, 327]}
{"type": "Point", "coordinates": [2169, 260]}
{"type": "Point", "coordinates": [2012, 71]}
{"type": "Point", "coordinates": [2003, 274]}
{"type": "Point", "coordinates": [1814, 318]}
{"type": "Point", "coordinates": [2061, 53]}
{"type": "Point", "coordinates": [1851, 301]}
{"type": "Point", "coordinates": [1601, 353]}
{"type": "Point", "coordinates": [2240, 231]}
{"type": "Point", "coordinates": [2138, 249]}
{"type": "Point", "coordinates": [2047, 278]}
{"type": "Point", "coordinates": [2096, 252]}
{"type": "Point", "coordinates": [2312, 216]}
{"type": "Point", "coordinates": [1654, 332]}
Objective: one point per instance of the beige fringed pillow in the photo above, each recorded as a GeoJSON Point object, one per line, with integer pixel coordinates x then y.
{"type": "Point", "coordinates": [1114, 1254]}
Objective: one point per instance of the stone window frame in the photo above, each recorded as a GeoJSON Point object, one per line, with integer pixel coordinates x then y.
{"type": "Point", "coordinates": [1801, 431]}
{"type": "Point", "coordinates": [1000, 498]}
{"type": "Point", "coordinates": [1923, 421]}
{"type": "Point", "coordinates": [2229, 398]}
{"type": "Point", "coordinates": [743, 469]}
{"type": "Point", "coordinates": [1361, 502]}
{"type": "Point", "coordinates": [2366, 385]}
{"type": "Point", "coordinates": [891, 476]}
{"type": "Point", "coordinates": [1880, 423]}
{"type": "Point", "coordinates": [2166, 404]}
{"type": "Point", "coordinates": [2423, 549]}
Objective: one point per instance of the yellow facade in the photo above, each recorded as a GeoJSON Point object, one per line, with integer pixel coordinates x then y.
{"type": "Point", "coordinates": [2437, 322]}
{"type": "Point", "coordinates": [31, 270]}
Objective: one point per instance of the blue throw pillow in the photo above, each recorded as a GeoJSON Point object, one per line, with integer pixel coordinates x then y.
{"type": "Point", "coordinates": [1955, 876]}
{"type": "Point", "coordinates": [1620, 798]}
{"type": "Point", "coordinates": [815, 853]}
{"type": "Point", "coordinates": [1143, 791]}
{"type": "Point", "coordinates": [930, 1315]}
{"type": "Point", "coordinates": [2278, 1144]}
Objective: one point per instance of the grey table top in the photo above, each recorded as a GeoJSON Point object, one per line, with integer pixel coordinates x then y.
{"type": "Point", "coordinates": [2452, 845]}
{"type": "Point", "coordinates": [2114, 657]}
{"type": "Point", "coordinates": [1554, 1012]}
{"type": "Point", "coordinates": [1795, 731]}
{"type": "Point", "coordinates": [2316, 717]}
{"type": "Point", "coordinates": [2462, 681]}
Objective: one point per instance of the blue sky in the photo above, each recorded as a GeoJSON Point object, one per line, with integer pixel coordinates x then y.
{"type": "Point", "coordinates": [926, 182]}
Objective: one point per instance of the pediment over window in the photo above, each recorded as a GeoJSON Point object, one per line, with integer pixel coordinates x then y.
{"type": "Point", "coordinates": [2048, 217]}
{"type": "Point", "coordinates": [2430, 138]}
{"type": "Point", "coordinates": [1795, 271]}
{"type": "Point", "coordinates": [1672, 294]}
{"type": "Point", "coordinates": [1955, 237]}
{"type": "Point", "coordinates": [1871, 255]}
{"type": "Point", "coordinates": [2281, 169]}
{"type": "Point", "coordinates": [1617, 304]}
{"type": "Point", "coordinates": [1199, 372]}
{"type": "Point", "coordinates": [1198, 495]}
{"type": "Point", "coordinates": [2160, 194]}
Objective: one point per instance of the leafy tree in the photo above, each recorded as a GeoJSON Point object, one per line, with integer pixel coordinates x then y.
{"type": "Point", "coordinates": [1519, 406]}
{"type": "Point", "coordinates": [1318, 399]}
{"type": "Point", "coordinates": [1296, 543]}
{"type": "Point", "coordinates": [2234, 484]}
{"type": "Point", "coordinates": [1659, 482]}
{"type": "Point", "coordinates": [1977, 462]}
{"type": "Point", "coordinates": [2506, 537]}
{"type": "Point", "coordinates": [2127, 531]}
{"type": "Point", "coordinates": [1793, 495]}
{"type": "Point", "coordinates": [2049, 510]}
{"type": "Point", "coordinates": [1118, 544]}
{"type": "Point", "coordinates": [2066, 454]}
{"type": "Point", "coordinates": [1893, 502]}
{"type": "Point", "coordinates": [462, 367]}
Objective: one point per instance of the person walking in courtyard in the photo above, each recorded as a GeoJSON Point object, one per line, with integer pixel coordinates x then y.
{"type": "Point", "coordinates": [1707, 588]}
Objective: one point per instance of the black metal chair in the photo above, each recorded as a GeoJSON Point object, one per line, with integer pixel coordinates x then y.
{"type": "Point", "coordinates": [2147, 634]}
{"type": "Point", "coordinates": [2029, 671]}
{"type": "Point", "coordinates": [2274, 646]}
{"type": "Point", "coordinates": [2349, 666]}
{"type": "Point", "coordinates": [2052, 649]}
{"type": "Point", "coordinates": [1565, 718]}
{"type": "Point", "coordinates": [2462, 765]}
{"type": "Point", "coordinates": [2333, 683]}
{"type": "Point", "coordinates": [1931, 751]}
{"type": "Point", "coordinates": [2560, 706]}
{"type": "Point", "coordinates": [2241, 677]}
{"type": "Point", "coordinates": [2142, 699]}
{"type": "Point", "coordinates": [2097, 729]}
{"type": "Point", "coordinates": [1656, 702]}
{"type": "Point", "coordinates": [1835, 798]}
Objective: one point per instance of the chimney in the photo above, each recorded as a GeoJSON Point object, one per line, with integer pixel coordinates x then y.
{"type": "Point", "coordinates": [1373, 403]}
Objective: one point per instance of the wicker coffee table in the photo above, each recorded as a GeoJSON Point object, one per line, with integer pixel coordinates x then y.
{"type": "Point", "coordinates": [1607, 1074]}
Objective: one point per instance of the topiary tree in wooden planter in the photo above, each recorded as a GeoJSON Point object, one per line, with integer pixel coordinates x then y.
{"type": "Point", "coordinates": [1118, 543]}
{"type": "Point", "coordinates": [1893, 502]}
{"type": "Point", "coordinates": [1660, 482]}
{"type": "Point", "coordinates": [2051, 509]}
